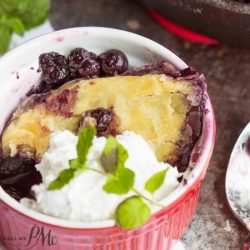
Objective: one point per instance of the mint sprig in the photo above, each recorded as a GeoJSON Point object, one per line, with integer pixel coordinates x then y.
{"type": "Point", "coordinates": [17, 16]}
{"type": "Point", "coordinates": [131, 212]}
{"type": "Point", "coordinates": [76, 166]}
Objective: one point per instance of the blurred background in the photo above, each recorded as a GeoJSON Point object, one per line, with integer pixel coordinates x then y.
{"type": "Point", "coordinates": [222, 56]}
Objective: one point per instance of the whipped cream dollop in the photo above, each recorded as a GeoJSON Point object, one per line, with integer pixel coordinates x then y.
{"type": "Point", "coordinates": [84, 198]}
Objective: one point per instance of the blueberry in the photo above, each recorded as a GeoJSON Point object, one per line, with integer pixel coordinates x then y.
{"type": "Point", "coordinates": [113, 62]}
{"type": "Point", "coordinates": [83, 64]}
{"type": "Point", "coordinates": [103, 118]}
{"type": "Point", "coordinates": [54, 68]}
{"type": "Point", "coordinates": [15, 165]}
{"type": "Point", "coordinates": [90, 69]}
{"type": "Point", "coordinates": [77, 56]}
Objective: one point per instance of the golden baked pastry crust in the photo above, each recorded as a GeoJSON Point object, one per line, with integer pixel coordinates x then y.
{"type": "Point", "coordinates": [154, 106]}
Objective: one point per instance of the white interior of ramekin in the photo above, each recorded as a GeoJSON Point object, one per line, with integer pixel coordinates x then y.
{"type": "Point", "coordinates": [18, 73]}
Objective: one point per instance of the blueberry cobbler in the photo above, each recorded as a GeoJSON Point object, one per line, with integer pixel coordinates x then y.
{"type": "Point", "coordinates": [98, 139]}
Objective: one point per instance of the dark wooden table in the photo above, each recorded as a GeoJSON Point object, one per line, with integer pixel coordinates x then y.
{"type": "Point", "coordinates": [227, 70]}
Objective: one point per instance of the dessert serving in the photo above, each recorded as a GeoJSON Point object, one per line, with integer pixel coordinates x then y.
{"type": "Point", "coordinates": [102, 145]}
{"type": "Point", "coordinates": [154, 110]}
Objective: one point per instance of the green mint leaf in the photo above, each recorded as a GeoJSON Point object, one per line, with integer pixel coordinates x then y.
{"type": "Point", "coordinates": [114, 156]}
{"type": "Point", "coordinates": [113, 161]}
{"type": "Point", "coordinates": [18, 16]}
{"type": "Point", "coordinates": [85, 141]}
{"type": "Point", "coordinates": [132, 213]}
{"type": "Point", "coordinates": [66, 175]}
{"type": "Point", "coordinates": [17, 26]}
{"type": "Point", "coordinates": [126, 177]}
{"type": "Point", "coordinates": [111, 144]}
{"type": "Point", "coordinates": [64, 178]}
{"type": "Point", "coordinates": [121, 183]}
{"type": "Point", "coordinates": [114, 152]}
{"type": "Point", "coordinates": [122, 156]}
{"type": "Point", "coordinates": [113, 186]}
{"type": "Point", "coordinates": [32, 13]}
{"type": "Point", "coordinates": [154, 182]}
{"type": "Point", "coordinates": [5, 36]}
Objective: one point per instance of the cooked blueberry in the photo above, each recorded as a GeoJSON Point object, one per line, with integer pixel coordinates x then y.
{"type": "Point", "coordinates": [113, 62]}
{"type": "Point", "coordinates": [54, 68]}
{"type": "Point", "coordinates": [103, 118]}
{"type": "Point", "coordinates": [90, 69]}
{"type": "Point", "coordinates": [12, 166]}
{"type": "Point", "coordinates": [83, 64]}
{"type": "Point", "coordinates": [14, 192]}
{"type": "Point", "coordinates": [77, 56]}
{"type": "Point", "coordinates": [19, 186]}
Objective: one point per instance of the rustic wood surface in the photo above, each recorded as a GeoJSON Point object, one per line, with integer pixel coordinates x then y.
{"type": "Point", "coordinates": [227, 70]}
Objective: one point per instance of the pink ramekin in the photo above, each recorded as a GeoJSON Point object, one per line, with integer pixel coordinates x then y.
{"type": "Point", "coordinates": [17, 223]}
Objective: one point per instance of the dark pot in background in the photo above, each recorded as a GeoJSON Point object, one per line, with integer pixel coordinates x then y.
{"type": "Point", "coordinates": [224, 20]}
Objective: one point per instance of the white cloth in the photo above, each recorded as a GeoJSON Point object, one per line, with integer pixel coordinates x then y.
{"type": "Point", "coordinates": [178, 246]}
